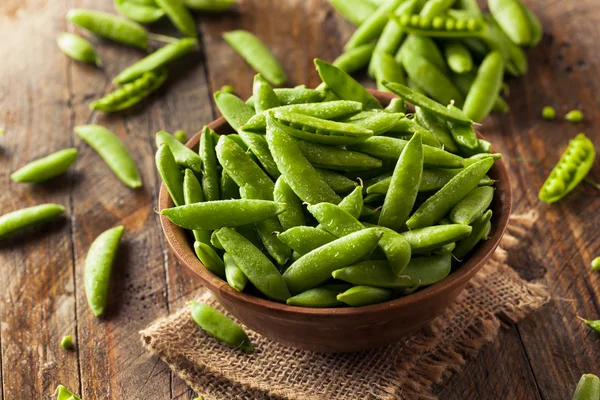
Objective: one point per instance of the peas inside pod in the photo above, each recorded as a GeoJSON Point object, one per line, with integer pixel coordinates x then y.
{"type": "Point", "coordinates": [290, 216]}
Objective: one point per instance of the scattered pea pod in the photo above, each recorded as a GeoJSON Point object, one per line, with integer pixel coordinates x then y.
{"type": "Point", "coordinates": [131, 93]}
{"type": "Point", "coordinates": [110, 26]}
{"type": "Point", "coordinates": [304, 239]}
{"type": "Point", "coordinates": [143, 11]}
{"type": "Point", "coordinates": [210, 259]}
{"type": "Point", "coordinates": [373, 25]}
{"type": "Point", "coordinates": [19, 220]}
{"type": "Point", "coordinates": [293, 215]}
{"type": "Point", "coordinates": [329, 157]}
{"type": "Point", "coordinates": [179, 16]}
{"type": "Point", "coordinates": [219, 326]}
{"type": "Point", "coordinates": [62, 393]}
{"type": "Point", "coordinates": [588, 388]}
{"type": "Point", "coordinates": [481, 228]}
{"type": "Point", "coordinates": [46, 168]}
{"type": "Point", "coordinates": [234, 275]}
{"type": "Point", "coordinates": [355, 11]}
{"type": "Point", "coordinates": [77, 48]}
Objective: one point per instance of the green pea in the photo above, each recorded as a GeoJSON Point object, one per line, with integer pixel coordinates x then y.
{"type": "Point", "coordinates": [209, 5]}
{"type": "Point", "coordinates": [212, 215]}
{"type": "Point", "coordinates": [170, 174]}
{"type": "Point", "coordinates": [67, 342]}
{"type": "Point", "coordinates": [77, 48]}
{"type": "Point", "coordinates": [112, 151]}
{"type": "Point", "coordinates": [316, 267]}
{"type": "Point", "coordinates": [110, 26]}
{"type": "Point", "coordinates": [156, 60]}
{"type": "Point", "coordinates": [62, 393]}
{"type": "Point", "coordinates": [481, 228]}
{"type": "Point", "coordinates": [209, 257]}
{"type": "Point", "coordinates": [472, 206]}
{"type": "Point", "coordinates": [574, 116]}
{"type": "Point", "coordinates": [588, 388]}
{"type": "Point", "coordinates": [319, 297]}
{"type": "Point", "coordinates": [46, 168]}
{"type": "Point", "coordinates": [254, 264]}
{"type": "Point", "coordinates": [596, 264]}
{"type": "Point", "coordinates": [421, 271]}
{"type": "Point", "coordinates": [98, 267]}
{"type": "Point", "coordinates": [184, 156]}
{"type": "Point", "coordinates": [220, 327]}
{"type": "Point", "coordinates": [304, 239]}
{"type": "Point", "coordinates": [234, 275]}
{"type": "Point", "coordinates": [364, 295]}
{"type": "Point", "coordinates": [257, 55]}
{"type": "Point", "coordinates": [548, 113]}
{"type": "Point", "coordinates": [293, 215]}
{"type": "Point", "coordinates": [145, 12]}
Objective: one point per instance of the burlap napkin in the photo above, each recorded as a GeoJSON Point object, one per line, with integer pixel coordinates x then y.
{"type": "Point", "coordinates": [405, 370]}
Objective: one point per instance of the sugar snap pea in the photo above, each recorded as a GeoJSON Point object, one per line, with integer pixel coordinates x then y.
{"type": "Point", "coordinates": [424, 240]}
{"type": "Point", "coordinates": [295, 167]}
{"type": "Point", "coordinates": [304, 239]}
{"type": "Point", "coordinates": [364, 295]}
{"type": "Point", "coordinates": [339, 183]}
{"type": "Point", "coordinates": [170, 174]}
{"type": "Point", "coordinates": [588, 388]}
{"type": "Point", "coordinates": [434, 8]}
{"type": "Point", "coordinates": [289, 96]}
{"type": "Point", "coordinates": [396, 106]}
{"type": "Point", "coordinates": [257, 55]}
{"type": "Point", "coordinates": [143, 11]}
{"type": "Point", "coordinates": [46, 168]}
{"type": "Point", "coordinates": [234, 275]}
{"type": "Point", "coordinates": [354, 59]}
{"type": "Point", "coordinates": [179, 16]}
{"type": "Point", "coordinates": [336, 158]}
{"type": "Point", "coordinates": [469, 6]}
{"type": "Point", "coordinates": [220, 327]}
{"type": "Point", "coordinates": [184, 156]}
{"type": "Point", "coordinates": [209, 257]}
{"type": "Point", "coordinates": [98, 266]}
{"type": "Point", "coordinates": [131, 93]}
{"type": "Point", "coordinates": [264, 95]}
{"type": "Point", "coordinates": [438, 128]}
{"type": "Point", "coordinates": [424, 47]}
{"type": "Point", "coordinates": [479, 103]}
{"type": "Point", "coordinates": [421, 271]}
{"type": "Point", "coordinates": [458, 57]}
{"type": "Point", "coordinates": [344, 86]}
{"type": "Point", "coordinates": [156, 60]}
{"type": "Point", "coordinates": [376, 121]}
{"type": "Point", "coordinates": [112, 151]}
{"type": "Point", "coordinates": [438, 205]}
{"type": "Point", "coordinates": [594, 325]}
{"type": "Point", "coordinates": [110, 26]}
{"type": "Point", "coordinates": [373, 25]}
{"type": "Point", "coordinates": [62, 393]}
{"type": "Point", "coordinates": [406, 127]}
{"type": "Point", "coordinates": [293, 215]}
{"type": "Point", "coordinates": [353, 203]}
{"type": "Point", "coordinates": [464, 135]}
{"type": "Point", "coordinates": [320, 297]}
{"type": "Point", "coordinates": [209, 5]}
{"type": "Point", "coordinates": [18, 220]}
{"type": "Point", "coordinates": [192, 193]}
{"type": "Point", "coordinates": [389, 148]}
{"type": "Point", "coordinates": [513, 20]}
{"type": "Point", "coordinates": [441, 26]}
{"type": "Point", "coordinates": [385, 68]}
{"type": "Point", "coordinates": [254, 264]}
{"type": "Point", "coordinates": [210, 177]}
{"type": "Point", "coordinates": [472, 206]}
{"type": "Point", "coordinates": [464, 82]}
{"type": "Point", "coordinates": [404, 186]}
{"type": "Point", "coordinates": [571, 169]}
{"type": "Point", "coordinates": [77, 48]}
{"type": "Point", "coordinates": [212, 215]}
{"type": "Point", "coordinates": [481, 228]}
{"type": "Point", "coordinates": [315, 268]}
{"type": "Point", "coordinates": [355, 11]}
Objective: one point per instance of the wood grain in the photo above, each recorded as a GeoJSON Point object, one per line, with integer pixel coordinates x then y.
{"type": "Point", "coordinates": [43, 95]}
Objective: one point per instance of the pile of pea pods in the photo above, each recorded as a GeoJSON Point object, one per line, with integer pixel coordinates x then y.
{"type": "Point", "coordinates": [447, 49]}
{"type": "Point", "coordinates": [324, 198]}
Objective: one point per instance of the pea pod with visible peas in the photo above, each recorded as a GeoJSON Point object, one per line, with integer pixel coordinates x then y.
{"type": "Point", "coordinates": [77, 48]}
{"type": "Point", "coordinates": [359, 296]}
{"type": "Point", "coordinates": [98, 266]}
{"type": "Point", "coordinates": [46, 168]}
{"type": "Point", "coordinates": [220, 327]}
{"type": "Point", "coordinates": [143, 11]}
{"type": "Point", "coordinates": [131, 93]}
{"type": "Point", "coordinates": [320, 297]}
{"type": "Point", "coordinates": [179, 16]}
{"type": "Point", "coordinates": [254, 264]}
{"type": "Point", "coordinates": [571, 169]}
{"type": "Point", "coordinates": [29, 217]}
{"type": "Point", "coordinates": [112, 151]}
{"type": "Point", "coordinates": [588, 388]}
{"type": "Point", "coordinates": [110, 26]}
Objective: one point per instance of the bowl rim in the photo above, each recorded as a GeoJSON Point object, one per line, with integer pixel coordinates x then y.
{"type": "Point", "coordinates": [179, 243]}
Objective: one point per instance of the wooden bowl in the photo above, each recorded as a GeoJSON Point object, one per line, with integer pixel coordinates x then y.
{"type": "Point", "coordinates": [344, 329]}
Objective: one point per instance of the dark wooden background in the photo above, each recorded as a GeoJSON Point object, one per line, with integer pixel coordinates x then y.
{"type": "Point", "coordinates": [43, 95]}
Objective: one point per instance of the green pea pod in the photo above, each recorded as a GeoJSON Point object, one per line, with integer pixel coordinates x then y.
{"type": "Point", "coordinates": [98, 266]}
{"type": "Point", "coordinates": [421, 271]}
{"type": "Point", "coordinates": [170, 174]}
{"type": "Point", "coordinates": [229, 189]}
{"type": "Point", "coordinates": [389, 148]}
{"type": "Point", "coordinates": [355, 11]}
{"type": "Point", "coordinates": [339, 183]}
{"type": "Point", "coordinates": [242, 169]}
{"type": "Point", "coordinates": [212, 215]}
{"type": "Point", "coordinates": [344, 86]}
{"type": "Point", "coordinates": [420, 100]}
{"type": "Point", "coordinates": [180, 136]}
{"type": "Point", "coordinates": [512, 19]}
{"type": "Point", "coordinates": [208, 155]}
{"type": "Point", "coordinates": [404, 186]}
{"type": "Point", "coordinates": [184, 156]}
{"type": "Point", "coordinates": [321, 131]}
{"type": "Point", "coordinates": [434, 8]}
{"type": "Point", "coordinates": [264, 95]}
{"type": "Point", "coordinates": [209, 257]}
{"type": "Point", "coordinates": [424, 240]}
{"type": "Point", "coordinates": [458, 57]}
{"type": "Point", "coordinates": [464, 135]}
{"type": "Point", "coordinates": [424, 47]}
{"type": "Point", "coordinates": [156, 60]}
{"type": "Point", "coordinates": [479, 103]}
{"type": "Point", "coordinates": [319, 297]}
{"type": "Point", "coordinates": [257, 55]}
{"type": "Point", "coordinates": [295, 167]}
{"type": "Point", "coordinates": [470, 6]}
{"type": "Point", "coordinates": [375, 121]}
{"type": "Point", "coordinates": [372, 27]}
{"type": "Point", "coordinates": [30, 217]}
{"type": "Point", "coordinates": [266, 229]}
{"type": "Point", "coordinates": [572, 168]}
{"type": "Point", "coordinates": [465, 81]}
{"type": "Point", "coordinates": [209, 5]}
{"type": "Point", "coordinates": [192, 193]}
{"type": "Point", "coordinates": [77, 48]}
{"type": "Point", "coordinates": [353, 203]}
{"type": "Point", "coordinates": [331, 110]}
{"type": "Point", "coordinates": [131, 93]}
{"type": "Point", "coordinates": [359, 296]}
{"type": "Point", "coordinates": [588, 388]}
{"type": "Point", "coordinates": [336, 158]}
{"type": "Point", "coordinates": [385, 68]}
{"type": "Point", "coordinates": [304, 239]}
{"type": "Point", "coordinates": [293, 215]}
{"type": "Point", "coordinates": [316, 267]}
{"type": "Point", "coordinates": [220, 327]}
{"type": "Point", "coordinates": [437, 127]}
{"type": "Point", "coordinates": [110, 26]}
{"type": "Point", "coordinates": [438, 205]}
{"type": "Point", "coordinates": [406, 127]}
{"type": "Point", "coordinates": [441, 26]}
{"type": "Point", "coordinates": [535, 26]}
{"type": "Point", "coordinates": [472, 206]}
{"type": "Point", "coordinates": [354, 59]}
{"type": "Point", "coordinates": [179, 16]}
{"type": "Point", "coordinates": [62, 393]}
{"type": "Point", "coordinates": [234, 275]}
{"type": "Point", "coordinates": [112, 151]}
{"type": "Point", "coordinates": [254, 264]}
{"type": "Point", "coordinates": [396, 106]}
{"type": "Point", "coordinates": [145, 12]}
{"type": "Point", "coordinates": [46, 168]}
{"type": "Point", "coordinates": [289, 96]}
{"type": "Point", "coordinates": [481, 227]}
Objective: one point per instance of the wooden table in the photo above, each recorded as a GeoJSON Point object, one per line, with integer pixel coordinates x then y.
{"type": "Point", "coordinates": [43, 95]}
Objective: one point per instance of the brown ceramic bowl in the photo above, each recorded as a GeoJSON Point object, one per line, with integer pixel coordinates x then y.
{"type": "Point", "coordinates": [342, 329]}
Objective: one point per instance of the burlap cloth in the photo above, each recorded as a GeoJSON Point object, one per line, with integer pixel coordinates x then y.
{"type": "Point", "coordinates": [495, 296]}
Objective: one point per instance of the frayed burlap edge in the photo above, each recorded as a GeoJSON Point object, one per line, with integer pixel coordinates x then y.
{"type": "Point", "coordinates": [496, 296]}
